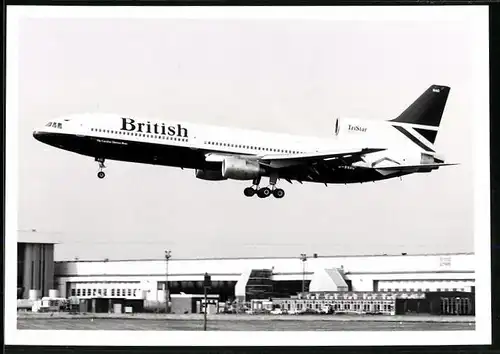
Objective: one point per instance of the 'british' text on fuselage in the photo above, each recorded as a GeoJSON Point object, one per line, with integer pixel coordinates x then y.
{"type": "Point", "coordinates": [130, 125]}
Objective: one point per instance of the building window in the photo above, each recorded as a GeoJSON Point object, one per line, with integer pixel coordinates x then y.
{"type": "Point", "coordinates": [73, 292]}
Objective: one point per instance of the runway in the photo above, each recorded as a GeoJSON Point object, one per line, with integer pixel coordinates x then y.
{"type": "Point", "coordinates": [247, 323]}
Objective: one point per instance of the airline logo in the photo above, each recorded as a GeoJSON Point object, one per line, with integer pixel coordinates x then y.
{"type": "Point", "coordinates": [356, 128]}
{"type": "Point", "coordinates": [130, 125]}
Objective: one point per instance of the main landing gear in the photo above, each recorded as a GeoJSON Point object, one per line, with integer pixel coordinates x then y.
{"type": "Point", "coordinates": [266, 191]}
{"type": "Point", "coordinates": [100, 174]}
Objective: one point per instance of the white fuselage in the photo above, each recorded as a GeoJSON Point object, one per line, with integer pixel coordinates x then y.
{"type": "Point", "coordinates": [116, 129]}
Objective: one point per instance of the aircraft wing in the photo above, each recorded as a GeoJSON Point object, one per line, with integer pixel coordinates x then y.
{"type": "Point", "coordinates": [414, 168]}
{"type": "Point", "coordinates": [288, 160]}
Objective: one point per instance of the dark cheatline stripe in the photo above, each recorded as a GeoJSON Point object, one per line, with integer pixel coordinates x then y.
{"type": "Point", "coordinates": [412, 138]}
{"type": "Point", "coordinates": [428, 134]}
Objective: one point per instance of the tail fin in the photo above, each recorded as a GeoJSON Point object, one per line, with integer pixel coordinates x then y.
{"type": "Point", "coordinates": [426, 111]}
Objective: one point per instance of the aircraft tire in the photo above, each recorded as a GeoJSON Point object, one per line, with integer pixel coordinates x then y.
{"type": "Point", "coordinates": [101, 174]}
{"type": "Point", "coordinates": [279, 193]}
{"type": "Point", "coordinates": [249, 192]}
{"type": "Point", "coordinates": [264, 192]}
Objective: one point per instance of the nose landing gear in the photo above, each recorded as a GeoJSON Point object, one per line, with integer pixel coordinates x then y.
{"type": "Point", "coordinates": [101, 174]}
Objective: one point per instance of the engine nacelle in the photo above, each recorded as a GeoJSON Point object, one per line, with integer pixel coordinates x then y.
{"type": "Point", "coordinates": [209, 175]}
{"type": "Point", "coordinates": [241, 169]}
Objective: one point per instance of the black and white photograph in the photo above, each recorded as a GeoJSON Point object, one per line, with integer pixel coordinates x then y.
{"type": "Point", "coordinates": [247, 176]}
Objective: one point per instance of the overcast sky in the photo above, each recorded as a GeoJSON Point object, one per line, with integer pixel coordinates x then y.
{"type": "Point", "coordinates": [276, 75]}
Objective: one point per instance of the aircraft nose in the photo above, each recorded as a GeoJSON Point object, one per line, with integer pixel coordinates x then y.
{"type": "Point", "coordinates": [40, 135]}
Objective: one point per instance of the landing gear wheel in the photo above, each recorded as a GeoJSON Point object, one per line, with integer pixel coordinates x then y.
{"type": "Point", "coordinates": [100, 160]}
{"type": "Point", "coordinates": [264, 192]}
{"type": "Point", "coordinates": [279, 193]}
{"type": "Point", "coordinates": [249, 192]}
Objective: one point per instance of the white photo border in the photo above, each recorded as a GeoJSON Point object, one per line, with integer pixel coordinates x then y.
{"type": "Point", "coordinates": [478, 15]}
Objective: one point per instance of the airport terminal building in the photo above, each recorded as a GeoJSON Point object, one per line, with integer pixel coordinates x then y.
{"type": "Point", "coordinates": [151, 282]}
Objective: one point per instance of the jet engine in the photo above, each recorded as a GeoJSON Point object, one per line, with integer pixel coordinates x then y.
{"type": "Point", "coordinates": [240, 169]}
{"type": "Point", "coordinates": [209, 175]}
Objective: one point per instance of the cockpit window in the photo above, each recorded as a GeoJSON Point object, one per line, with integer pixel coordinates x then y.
{"type": "Point", "coordinates": [54, 125]}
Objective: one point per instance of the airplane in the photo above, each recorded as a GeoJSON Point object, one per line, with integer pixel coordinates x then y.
{"type": "Point", "coordinates": [359, 150]}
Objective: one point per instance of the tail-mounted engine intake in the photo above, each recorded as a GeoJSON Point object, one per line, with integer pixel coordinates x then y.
{"type": "Point", "coordinates": [241, 169]}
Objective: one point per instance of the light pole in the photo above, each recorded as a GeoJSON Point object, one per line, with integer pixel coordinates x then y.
{"type": "Point", "coordinates": [303, 258]}
{"type": "Point", "coordinates": [207, 284]}
{"type": "Point", "coordinates": [168, 254]}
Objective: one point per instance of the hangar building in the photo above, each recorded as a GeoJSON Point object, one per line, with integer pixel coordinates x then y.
{"type": "Point", "coordinates": [35, 264]}
{"type": "Point", "coordinates": [243, 279]}
{"type": "Point", "coordinates": [259, 278]}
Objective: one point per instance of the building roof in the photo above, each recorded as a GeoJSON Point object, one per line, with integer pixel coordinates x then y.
{"type": "Point", "coordinates": [256, 258]}
{"type": "Point", "coordinates": [37, 236]}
